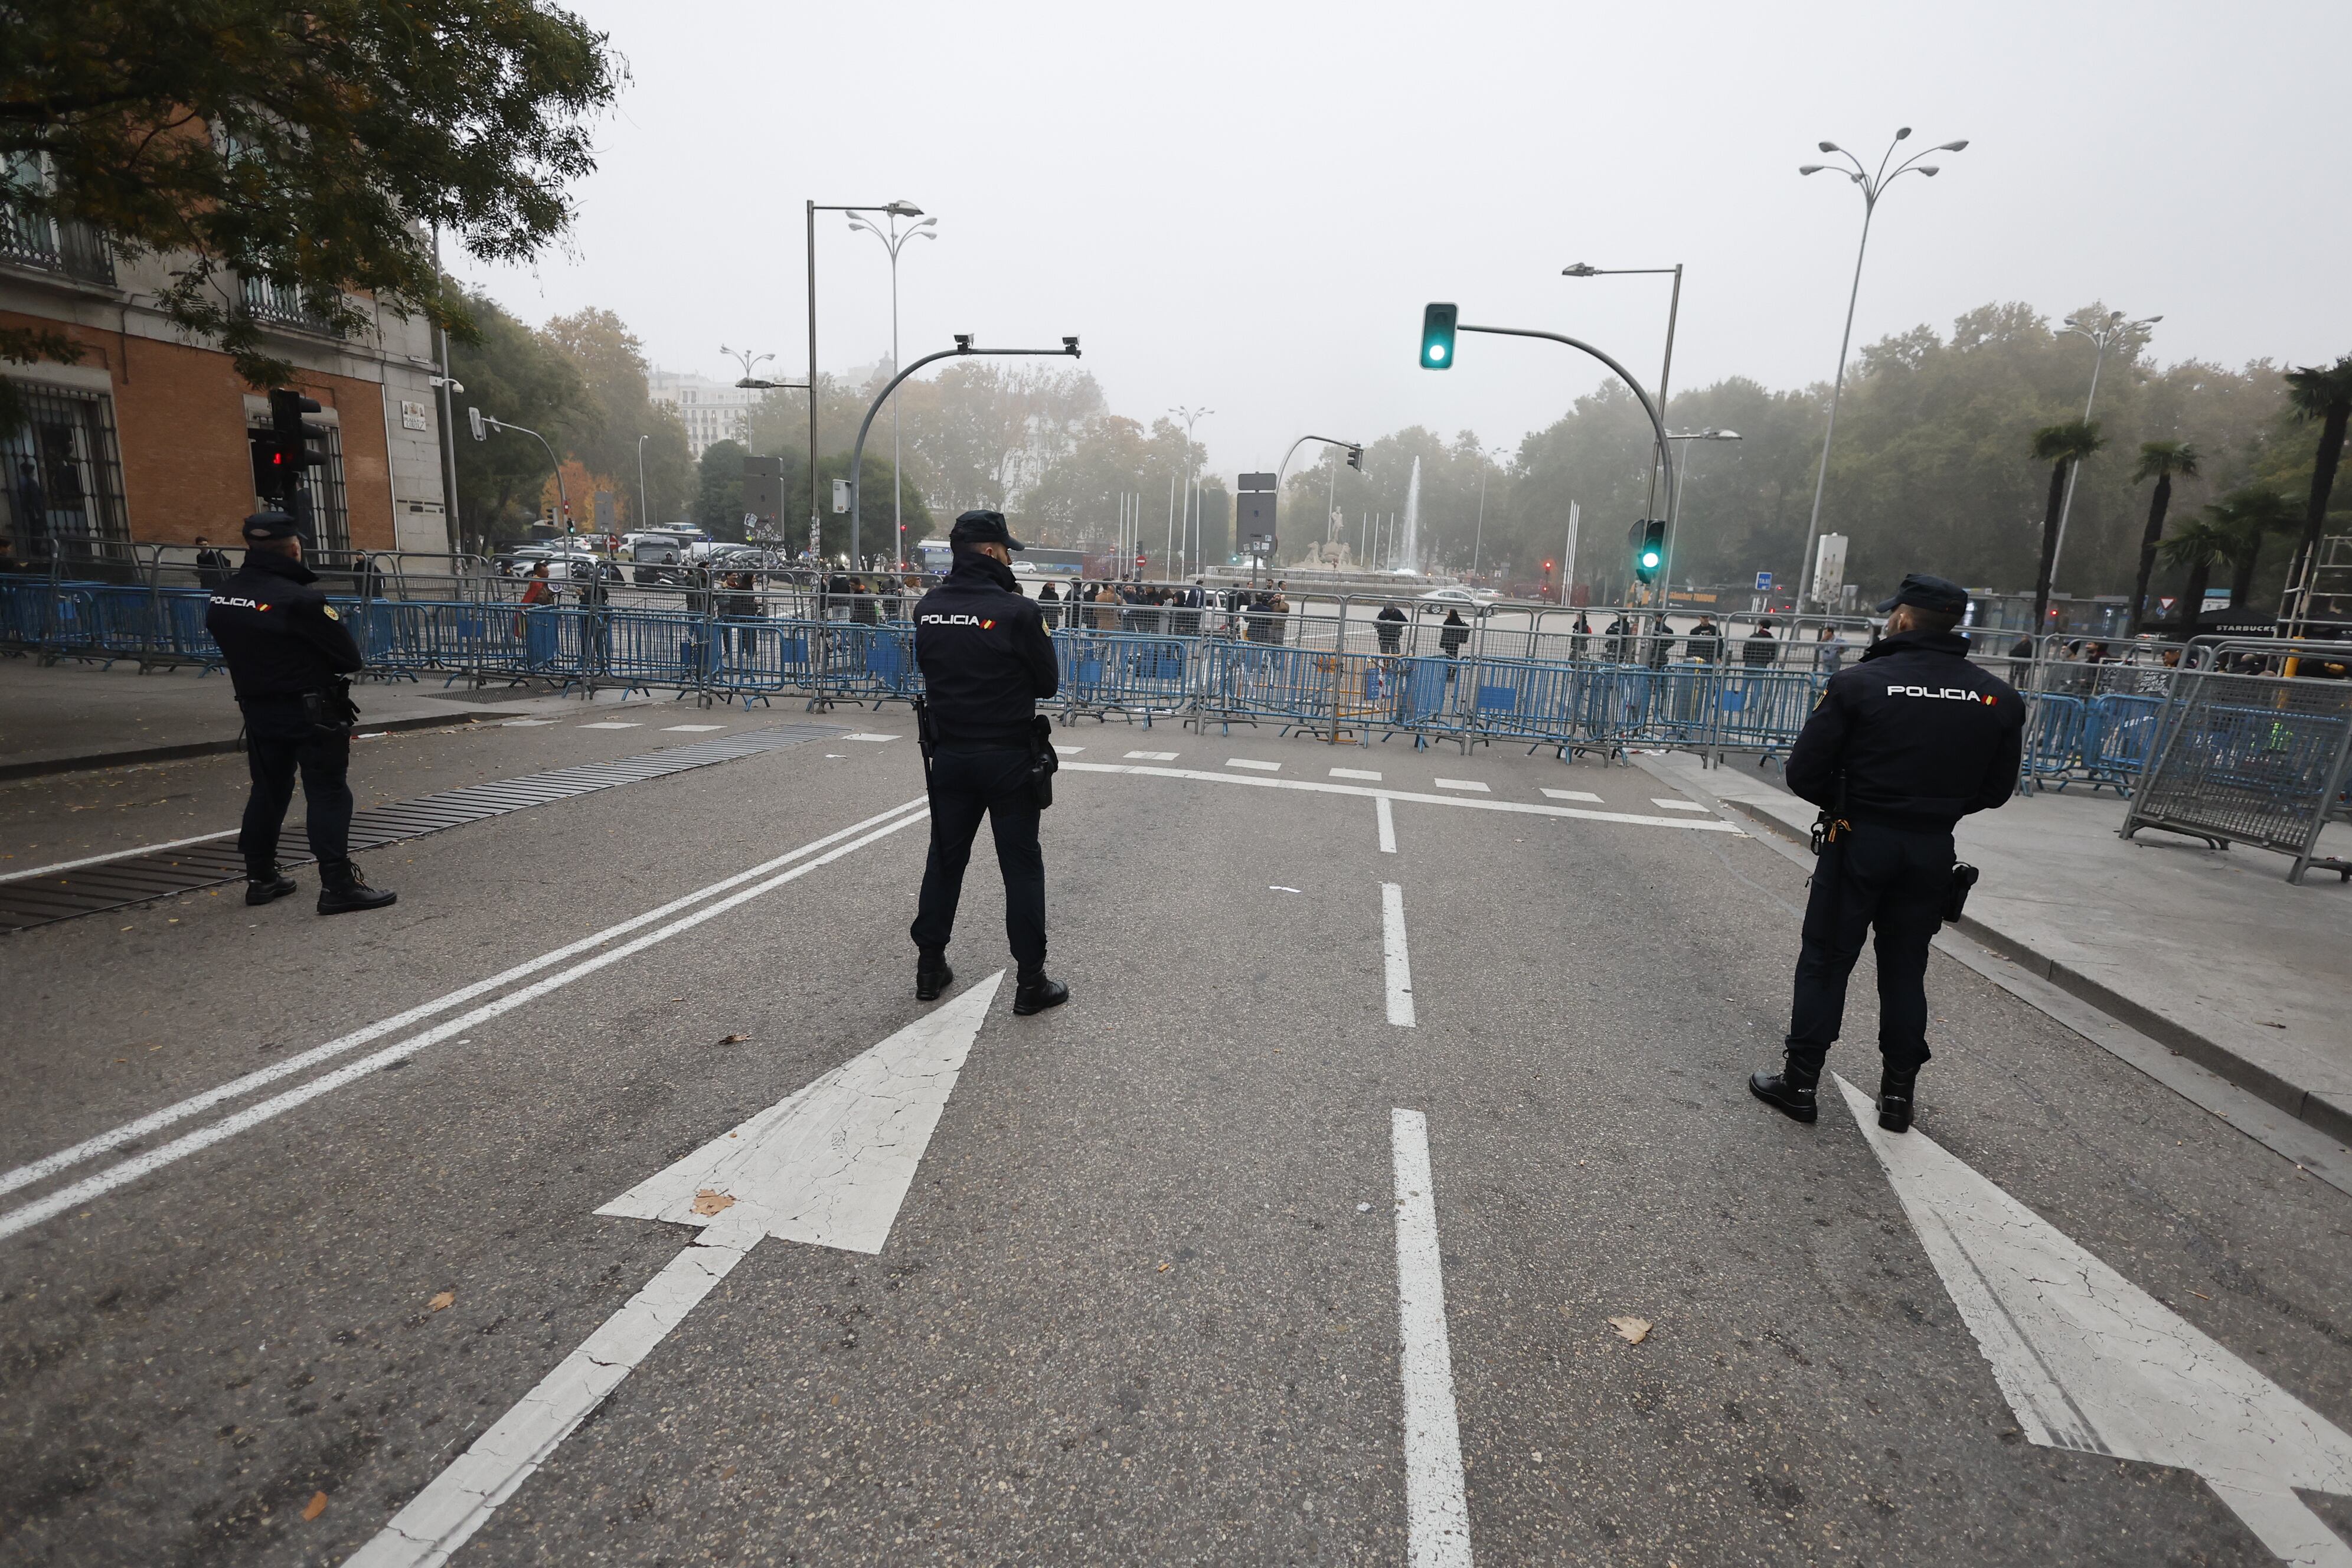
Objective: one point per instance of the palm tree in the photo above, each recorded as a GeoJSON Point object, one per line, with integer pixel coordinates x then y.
{"type": "Point", "coordinates": [2246, 515]}
{"type": "Point", "coordinates": [2198, 545]}
{"type": "Point", "coordinates": [2325, 393]}
{"type": "Point", "coordinates": [2159, 460]}
{"type": "Point", "coordinates": [2061, 447]}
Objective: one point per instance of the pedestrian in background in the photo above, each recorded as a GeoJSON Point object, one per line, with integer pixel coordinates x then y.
{"type": "Point", "coordinates": [1705, 644]}
{"type": "Point", "coordinates": [1453, 633]}
{"type": "Point", "coordinates": [212, 566]}
{"type": "Point", "coordinates": [1760, 649]}
{"type": "Point", "coordinates": [1049, 605]}
{"type": "Point", "coordinates": [1389, 626]}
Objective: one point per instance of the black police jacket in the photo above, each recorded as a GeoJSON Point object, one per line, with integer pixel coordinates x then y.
{"type": "Point", "coordinates": [985, 654]}
{"type": "Point", "coordinates": [1922, 736]}
{"type": "Point", "coordinates": [279, 634]}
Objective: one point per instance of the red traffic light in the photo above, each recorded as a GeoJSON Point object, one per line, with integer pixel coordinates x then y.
{"type": "Point", "coordinates": [1547, 566]}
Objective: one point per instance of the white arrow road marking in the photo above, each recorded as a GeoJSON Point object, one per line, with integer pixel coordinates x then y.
{"type": "Point", "coordinates": [1400, 967]}
{"type": "Point", "coordinates": [829, 1164]}
{"type": "Point", "coordinates": [1437, 1519]}
{"type": "Point", "coordinates": [2089, 1361]}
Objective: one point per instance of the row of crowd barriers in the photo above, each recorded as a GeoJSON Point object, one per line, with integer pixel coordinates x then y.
{"type": "Point", "coordinates": [1341, 676]}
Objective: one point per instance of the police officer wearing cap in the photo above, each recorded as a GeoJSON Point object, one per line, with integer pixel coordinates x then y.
{"type": "Point", "coordinates": [290, 656]}
{"type": "Point", "coordinates": [986, 659]}
{"type": "Point", "coordinates": [1903, 745]}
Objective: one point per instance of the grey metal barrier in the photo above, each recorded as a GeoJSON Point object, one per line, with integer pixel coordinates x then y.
{"type": "Point", "coordinates": [2251, 759]}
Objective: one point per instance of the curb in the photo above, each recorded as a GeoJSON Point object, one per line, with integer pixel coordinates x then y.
{"type": "Point", "coordinates": [42, 767]}
{"type": "Point", "coordinates": [2306, 1107]}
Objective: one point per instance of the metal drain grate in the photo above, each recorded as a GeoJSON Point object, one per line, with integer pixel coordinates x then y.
{"type": "Point", "coordinates": [136, 878]}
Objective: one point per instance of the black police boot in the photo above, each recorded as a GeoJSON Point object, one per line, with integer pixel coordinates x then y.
{"type": "Point", "coordinates": [1792, 1092]}
{"type": "Point", "coordinates": [342, 890]}
{"type": "Point", "coordinates": [932, 975]}
{"type": "Point", "coordinates": [1037, 992]}
{"type": "Point", "coordinates": [1897, 1086]}
{"type": "Point", "coordinates": [264, 884]}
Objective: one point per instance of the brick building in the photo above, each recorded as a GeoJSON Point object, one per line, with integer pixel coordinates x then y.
{"type": "Point", "coordinates": [147, 440]}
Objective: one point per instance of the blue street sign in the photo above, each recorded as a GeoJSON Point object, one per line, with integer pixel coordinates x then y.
{"type": "Point", "coordinates": [1763, 582]}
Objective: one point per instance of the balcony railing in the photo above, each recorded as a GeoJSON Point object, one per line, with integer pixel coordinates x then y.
{"type": "Point", "coordinates": [267, 299]}
{"type": "Point", "coordinates": [74, 249]}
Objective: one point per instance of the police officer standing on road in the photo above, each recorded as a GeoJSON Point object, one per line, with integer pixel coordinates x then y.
{"type": "Point", "coordinates": [290, 655]}
{"type": "Point", "coordinates": [986, 660]}
{"type": "Point", "coordinates": [1902, 746]}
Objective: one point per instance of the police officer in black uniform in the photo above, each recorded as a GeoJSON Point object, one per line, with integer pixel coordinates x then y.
{"type": "Point", "coordinates": [1904, 744]}
{"type": "Point", "coordinates": [290, 656]}
{"type": "Point", "coordinates": [986, 659]}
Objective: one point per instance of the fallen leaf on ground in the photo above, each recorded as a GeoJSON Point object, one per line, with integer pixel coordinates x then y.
{"type": "Point", "coordinates": [441, 1300]}
{"type": "Point", "coordinates": [706, 1202]}
{"type": "Point", "coordinates": [1164, 1268]}
{"type": "Point", "coordinates": [316, 1506]}
{"type": "Point", "coordinates": [734, 1039]}
{"type": "Point", "coordinates": [1633, 1331]}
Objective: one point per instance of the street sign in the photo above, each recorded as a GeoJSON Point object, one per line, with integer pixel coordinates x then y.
{"type": "Point", "coordinates": [1829, 568]}
{"type": "Point", "coordinates": [1763, 582]}
{"type": "Point", "coordinates": [1254, 512]}
{"type": "Point", "coordinates": [763, 489]}
{"type": "Point", "coordinates": [840, 497]}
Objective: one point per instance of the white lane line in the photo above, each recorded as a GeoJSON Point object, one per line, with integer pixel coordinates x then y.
{"type": "Point", "coordinates": [1709, 824]}
{"type": "Point", "coordinates": [1399, 967]}
{"type": "Point", "coordinates": [1385, 814]}
{"type": "Point", "coordinates": [49, 1165]}
{"type": "Point", "coordinates": [876, 738]}
{"type": "Point", "coordinates": [615, 725]}
{"type": "Point", "coordinates": [691, 729]}
{"type": "Point", "coordinates": [1437, 1519]}
{"type": "Point", "coordinates": [1245, 763]}
{"type": "Point", "coordinates": [1069, 751]}
{"type": "Point", "coordinates": [1472, 784]}
{"type": "Point", "coordinates": [203, 1138]}
{"type": "Point", "coordinates": [1675, 804]}
{"type": "Point", "coordinates": [2089, 1361]}
{"type": "Point", "coordinates": [51, 870]}
{"type": "Point", "coordinates": [1365, 773]}
{"type": "Point", "coordinates": [1572, 794]}
{"type": "Point", "coordinates": [1151, 756]}
{"type": "Point", "coordinates": [829, 1164]}
{"type": "Point", "coordinates": [527, 724]}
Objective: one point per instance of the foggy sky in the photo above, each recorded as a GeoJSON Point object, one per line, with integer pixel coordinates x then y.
{"type": "Point", "coordinates": [1245, 207]}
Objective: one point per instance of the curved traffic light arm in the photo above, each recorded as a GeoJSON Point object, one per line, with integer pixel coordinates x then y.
{"type": "Point", "coordinates": [1355, 450]}
{"type": "Point", "coordinates": [857, 453]}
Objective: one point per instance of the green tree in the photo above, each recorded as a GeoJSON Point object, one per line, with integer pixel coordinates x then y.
{"type": "Point", "coordinates": [718, 498]}
{"type": "Point", "coordinates": [617, 411]}
{"type": "Point", "coordinates": [2246, 515]}
{"type": "Point", "coordinates": [2159, 460]}
{"type": "Point", "coordinates": [317, 145]}
{"type": "Point", "coordinates": [2197, 546]}
{"type": "Point", "coordinates": [511, 373]}
{"type": "Point", "coordinates": [2061, 446]}
{"type": "Point", "coordinates": [2325, 393]}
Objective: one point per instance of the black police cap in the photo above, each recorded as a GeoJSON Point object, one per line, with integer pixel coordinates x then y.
{"type": "Point", "coordinates": [983, 528]}
{"type": "Point", "coordinates": [271, 525]}
{"type": "Point", "coordinates": [1929, 593]}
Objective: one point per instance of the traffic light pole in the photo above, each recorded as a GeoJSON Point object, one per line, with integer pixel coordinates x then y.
{"type": "Point", "coordinates": [562, 500]}
{"type": "Point", "coordinates": [1657, 424]}
{"type": "Point", "coordinates": [857, 453]}
{"type": "Point", "coordinates": [1356, 454]}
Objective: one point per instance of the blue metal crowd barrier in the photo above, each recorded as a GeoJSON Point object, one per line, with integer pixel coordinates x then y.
{"type": "Point", "coordinates": [1141, 675]}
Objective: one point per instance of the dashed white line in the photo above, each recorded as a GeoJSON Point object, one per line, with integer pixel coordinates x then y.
{"type": "Point", "coordinates": [613, 724]}
{"type": "Point", "coordinates": [1472, 784]}
{"type": "Point", "coordinates": [1437, 1519]}
{"type": "Point", "coordinates": [1151, 756]}
{"type": "Point", "coordinates": [690, 729]}
{"type": "Point", "coordinates": [1364, 773]}
{"type": "Point", "coordinates": [1385, 814]}
{"type": "Point", "coordinates": [1400, 967]}
{"type": "Point", "coordinates": [1572, 794]}
{"type": "Point", "coordinates": [525, 724]}
{"type": "Point", "coordinates": [1069, 751]}
{"type": "Point", "coordinates": [1675, 804]}
{"type": "Point", "coordinates": [863, 737]}
{"type": "Point", "coordinates": [1246, 762]}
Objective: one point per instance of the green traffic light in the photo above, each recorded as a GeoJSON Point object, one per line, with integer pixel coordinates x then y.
{"type": "Point", "coordinates": [1437, 336]}
{"type": "Point", "coordinates": [1650, 558]}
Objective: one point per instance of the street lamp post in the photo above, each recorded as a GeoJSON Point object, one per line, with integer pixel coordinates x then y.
{"type": "Point", "coordinates": [1674, 309]}
{"type": "Point", "coordinates": [562, 500]}
{"type": "Point", "coordinates": [962, 346]}
{"type": "Point", "coordinates": [2101, 331]}
{"type": "Point", "coordinates": [642, 514]}
{"type": "Point", "coordinates": [1873, 185]}
{"type": "Point", "coordinates": [896, 210]}
{"type": "Point", "coordinates": [1666, 569]}
{"type": "Point", "coordinates": [1192, 416]}
{"type": "Point", "coordinates": [891, 241]}
{"type": "Point", "coordinates": [1479, 539]}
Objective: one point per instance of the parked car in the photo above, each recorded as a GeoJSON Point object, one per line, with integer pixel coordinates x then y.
{"type": "Point", "coordinates": [1437, 601]}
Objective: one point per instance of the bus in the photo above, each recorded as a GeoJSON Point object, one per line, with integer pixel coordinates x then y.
{"type": "Point", "coordinates": [933, 555]}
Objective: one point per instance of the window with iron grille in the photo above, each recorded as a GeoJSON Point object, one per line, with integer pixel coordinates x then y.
{"type": "Point", "coordinates": [64, 473]}
{"type": "Point", "coordinates": [329, 516]}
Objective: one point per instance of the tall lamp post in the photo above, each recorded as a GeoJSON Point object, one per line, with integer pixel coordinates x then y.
{"type": "Point", "coordinates": [1479, 539]}
{"type": "Point", "coordinates": [1674, 537]}
{"type": "Point", "coordinates": [2102, 331]}
{"type": "Point", "coordinates": [642, 513]}
{"type": "Point", "coordinates": [1192, 416]}
{"type": "Point", "coordinates": [1873, 185]}
{"type": "Point", "coordinates": [1674, 309]}
{"type": "Point", "coordinates": [891, 241]}
{"type": "Point", "coordinates": [896, 210]}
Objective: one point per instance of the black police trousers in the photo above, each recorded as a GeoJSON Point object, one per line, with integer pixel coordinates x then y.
{"type": "Point", "coordinates": [279, 741]}
{"type": "Point", "coordinates": [1893, 879]}
{"type": "Point", "coordinates": [965, 783]}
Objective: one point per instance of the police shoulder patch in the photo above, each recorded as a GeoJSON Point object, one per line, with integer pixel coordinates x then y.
{"type": "Point", "coordinates": [333, 613]}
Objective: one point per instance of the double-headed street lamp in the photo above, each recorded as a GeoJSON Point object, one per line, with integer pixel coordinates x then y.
{"type": "Point", "coordinates": [1191, 417]}
{"type": "Point", "coordinates": [895, 210]}
{"type": "Point", "coordinates": [1486, 453]}
{"type": "Point", "coordinates": [2102, 331]}
{"type": "Point", "coordinates": [892, 239]}
{"type": "Point", "coordinates": [1873, 185]}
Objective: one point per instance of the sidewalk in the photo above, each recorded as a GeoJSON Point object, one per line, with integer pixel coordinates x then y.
{"type": "Point", "coordinates": [2213, 953]}
{"type": "Point", "coordinates": [72, 716]}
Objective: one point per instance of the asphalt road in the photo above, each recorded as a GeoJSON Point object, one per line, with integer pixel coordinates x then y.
{"type": "Point", "coordinates": [1144, 1299]}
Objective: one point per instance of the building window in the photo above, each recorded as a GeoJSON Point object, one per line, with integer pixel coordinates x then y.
{"type": "Point", "coordinates": [331, 522]}
{"type": "Point", "coordinates": [64, 475]}
{"type": "Point", "coordinates": [281, 304]}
